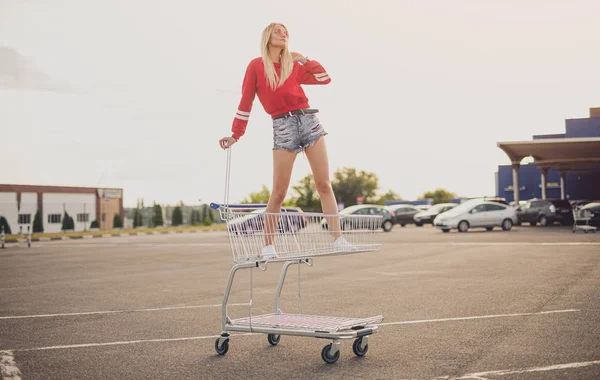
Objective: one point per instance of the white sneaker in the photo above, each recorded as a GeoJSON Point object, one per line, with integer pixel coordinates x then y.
{"type": "Point", "coordinates": [268, 252]}
{"type": "Point", "coordinates": [342, 245]}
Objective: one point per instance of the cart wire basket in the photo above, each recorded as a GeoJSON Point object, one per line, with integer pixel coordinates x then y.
{"type": "Point", "coordinates": [298, 238]}
{"type": "Point", "coordinates": [581, 220]}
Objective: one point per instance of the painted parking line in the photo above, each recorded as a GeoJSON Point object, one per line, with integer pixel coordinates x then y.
{"type": "Point", "coordinates": [479, 317]}
{"type": "Point", "coordinates": [504, 372]}
{"type": "Point", "coordinates": [118, 311]}
{"type": "Point", "coordinates": [86, 345]}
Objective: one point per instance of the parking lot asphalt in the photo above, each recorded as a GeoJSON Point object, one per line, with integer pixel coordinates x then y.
{"type": "Point", "coordinates": [517, 305]}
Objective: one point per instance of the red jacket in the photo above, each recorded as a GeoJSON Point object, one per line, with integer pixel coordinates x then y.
{"type": "Point", "coordinates": [288, 97]}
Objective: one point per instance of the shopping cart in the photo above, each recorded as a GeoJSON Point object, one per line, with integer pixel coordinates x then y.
{"type": "Point", "coordinates": [298, 238]}
{"type": "Point", "coordinates": [581, 220]}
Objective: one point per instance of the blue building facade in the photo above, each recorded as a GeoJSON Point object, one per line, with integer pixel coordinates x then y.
{"type": "Point", "coordinates": [580, 185]}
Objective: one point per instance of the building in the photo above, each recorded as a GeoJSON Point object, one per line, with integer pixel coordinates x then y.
{"type": "Point", "coordinates": [565, 166]}
{"type": "Point", "coordinates": [20, 203]}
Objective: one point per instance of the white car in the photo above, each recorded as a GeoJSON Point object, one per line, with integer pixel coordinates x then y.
{"type": "Point", "coordinates": [428, 216]}
{"type": "Point", "coordinates": [477, 214]}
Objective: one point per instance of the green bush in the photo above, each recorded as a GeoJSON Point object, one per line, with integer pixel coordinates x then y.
{"type": "Point", "coordinates": [157, 217]}
{"type": "Point", "coordinates": [68, 223]}
{"type": "Point", "coordinates": [4, 223]}
{"type": "Point", "coordinates": [38, 224]}
{"type": "Point", "coordinates": [177, 218]}
{"type": "Point", "coordinates": [137, 218]}
{"type": "Point", "coordinates": [95, 224]}
{"type": "Point", "coordinates": [117, 221]}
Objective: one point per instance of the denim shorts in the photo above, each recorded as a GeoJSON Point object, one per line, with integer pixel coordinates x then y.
{"type": "Point", "coordinates": [297, 132]}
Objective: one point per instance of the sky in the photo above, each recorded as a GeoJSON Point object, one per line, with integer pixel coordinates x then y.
{"type": "Point", "coordinates": [137, 93]}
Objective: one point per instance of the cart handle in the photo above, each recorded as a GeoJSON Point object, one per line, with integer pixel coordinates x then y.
{"type": "Point", "coordinates": [216, 206]}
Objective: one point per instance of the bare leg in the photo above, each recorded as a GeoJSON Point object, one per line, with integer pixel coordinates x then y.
{"type": "Point", "coordinates": [319, 163]}
{"type": "Point", "coordinates": [283, 163]}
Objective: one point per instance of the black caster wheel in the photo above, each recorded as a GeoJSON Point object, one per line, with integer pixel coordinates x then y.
{"type": "Point", "coordinates": [224, 347]}
{"type": "Point", "coordinates": [326, 354]}
{"type": "Point", "coordinates": [273, 339]}
{"type": "Point", "coordinates": [356, 347]}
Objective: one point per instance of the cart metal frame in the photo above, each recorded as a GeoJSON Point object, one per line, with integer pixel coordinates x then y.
{"type": "Point", "coordinates": [582, 216]}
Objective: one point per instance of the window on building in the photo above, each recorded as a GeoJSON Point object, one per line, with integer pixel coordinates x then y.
{"type": "Point", "coordinates": [24, 218]}
{"type": "Point", "coordinates": [83, 218]}
{"type": "Point", "coordinates": [54, 218]}
{"type": "Point", "coordinates": [103, 217]}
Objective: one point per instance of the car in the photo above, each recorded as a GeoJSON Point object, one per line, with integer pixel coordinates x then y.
{"type": "Point", "coordinates": [429, 215]}
{"type": "Point", "coordinates": [404, 213]}
{"type": "Point", "coordinates": [423, 207]}
{"type": "Point", "coordinates": [545, 212]}
{"type": "Point", "coordinates": [366, 209]}
{"type": "Point", "coordinates": [477, 214]}
{"type": "Point", "coordinates": [254, 222]}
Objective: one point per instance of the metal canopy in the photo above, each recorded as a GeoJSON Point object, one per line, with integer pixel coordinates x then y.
{"type": "Point", "coordinates": [564, 154]}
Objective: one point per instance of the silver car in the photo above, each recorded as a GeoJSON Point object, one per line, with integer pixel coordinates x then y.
{"type": "Point", "coordinates": [477, 214]}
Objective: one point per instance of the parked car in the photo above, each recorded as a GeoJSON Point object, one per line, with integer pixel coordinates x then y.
{"type": "Point", "coordinates": [429, 215]}
{"type": "Point", "coordinates": [423, 207]}
{"type": "Point", "coordinates": [475, 214]}
{"type": "Point", "coordinates": [545, 212]}
{"type": "Point", "coordinates": [387, 222]}
{"type": "Point", "coordinates": [404, 213]}
{"type": "Point", "coordinates": [254, 222]}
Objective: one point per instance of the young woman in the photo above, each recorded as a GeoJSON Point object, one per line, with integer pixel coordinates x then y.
{"type": "Point", "coordinates": [276, 77]}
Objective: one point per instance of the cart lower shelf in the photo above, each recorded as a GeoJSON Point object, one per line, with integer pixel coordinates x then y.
{"type": "Point", "coordinates": [307, 325]}
{"type": "Point", "coordinates": [315, 326]}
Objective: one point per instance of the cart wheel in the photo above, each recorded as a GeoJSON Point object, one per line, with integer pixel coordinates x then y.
{"type": "Point", "coordinates": [356, 347]}
{"type": "Point", "coordinates": [273, 339]}
{"type": "Point", "coordinates": [224, 347]}
{"type": "Point", "coordinates": [329, 359]}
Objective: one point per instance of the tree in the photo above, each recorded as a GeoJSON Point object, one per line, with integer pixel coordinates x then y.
{"type": "Point", "coordinates": [438, 196]}
{"type": "Point", "coordinates": [389, 196]}
{"type": "Point", "coordinates": [261, 196]}
{"type": "Point", "coordinates": [348, 184]}
{"type": "Point", "coordinates": [205, 216]}
{"type": "Point", "coordinates": [307, 195]}
{"type": "Point", "coordinates": [117, 221]}
{"type": "Point", "coordinates": [4, 223]}
{"type": "Point", "coordinates": [157, 217]}
{"type": "Point", "coordinates": [177, 217]}
{"type": "Point", "coordinates": [38, 224]}
{"type": "Point", "coordinates": [67, 223]}
{"type": "Point", "coordinates": [137, 218]}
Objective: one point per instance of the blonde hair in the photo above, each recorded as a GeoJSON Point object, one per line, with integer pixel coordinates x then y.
{"type": "Point", "coordinates": [285, 59]}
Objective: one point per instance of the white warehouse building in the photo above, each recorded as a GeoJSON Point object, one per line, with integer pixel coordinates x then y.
{"type": "Point", "coordinates": [20, 203]}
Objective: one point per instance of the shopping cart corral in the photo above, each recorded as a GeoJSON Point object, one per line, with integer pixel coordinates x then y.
{"type": "Point", "coordinates": [297, 246]}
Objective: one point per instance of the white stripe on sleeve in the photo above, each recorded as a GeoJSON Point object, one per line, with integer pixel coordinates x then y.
{"type": "Point", "coordinates": [322, 79]}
